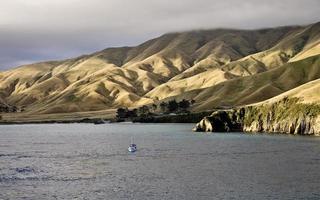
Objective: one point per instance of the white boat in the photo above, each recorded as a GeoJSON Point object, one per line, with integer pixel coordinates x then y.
{"type": "Point", "coordinates": [132, 147]}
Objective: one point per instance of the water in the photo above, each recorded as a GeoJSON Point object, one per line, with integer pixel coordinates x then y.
{"type": "Point", "coordinates": [86, 161]}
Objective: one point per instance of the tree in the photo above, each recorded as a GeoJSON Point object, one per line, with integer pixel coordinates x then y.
{"type": "Point", "coordinates": [144, 110]}
{"type": "Point", "coordinates": [173, 105]}
{"type": "Point", "coordinates": [154, 107]}
{"type": "Point", "coordinates": [184, 104]}
{"type": "Point", "coordinates": [163, 106]}
{"type": "Point", "coordinates": [132, 113]}
{"type": "Point", "coordinates": [122, 112]}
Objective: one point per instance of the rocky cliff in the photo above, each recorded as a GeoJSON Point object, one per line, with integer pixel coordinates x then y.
{"type": "Point", "coordinates": [287, 115]}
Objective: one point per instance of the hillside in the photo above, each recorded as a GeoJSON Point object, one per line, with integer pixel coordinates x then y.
{"type": "Point", "coordinates": [308, 93]}
{"type": "Point", "coordinates": [258, 87]}
{"type": "Point", "coordinates": [296, 111]}
{"type": "Point", "coordinates": [221, 67]}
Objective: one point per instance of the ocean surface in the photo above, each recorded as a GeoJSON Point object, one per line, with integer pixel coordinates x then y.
{"type": "Point", "coordinates": [86, 161]}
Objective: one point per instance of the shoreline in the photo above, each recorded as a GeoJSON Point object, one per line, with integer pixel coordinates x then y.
{"type": "Point", "coordinates": [46, 122]}
{"type": "Point", "coordinates": [177, 118]}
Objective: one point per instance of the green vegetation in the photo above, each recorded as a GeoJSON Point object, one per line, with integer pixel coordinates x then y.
{"type": "Point", "coordinates": [72, 97]}
{"type": "Point", "coordinates": [300, 44]}
{"type": "Point", "coordinates": [286, 109]}
{"type": "Point", "coordinates": [8, 108]}
{"type": "Point", "coordinates": [288, 115]}
{"type": "Point", "coordinates": [171, 107]}
{"type": "Point", "coordinates": [123, 113]}
{"type": "Point", "coordinates": [144, 111]}
{"type": "Point", "coordinates": [178, 118]}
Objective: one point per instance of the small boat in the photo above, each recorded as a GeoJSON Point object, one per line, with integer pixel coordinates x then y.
{"type": "Point", "coordinates": [132, 147]}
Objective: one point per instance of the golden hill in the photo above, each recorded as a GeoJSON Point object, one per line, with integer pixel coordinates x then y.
{"type": "Point", "coordinates": [308, 93]}
{"type": "Point", "coordinates": [219, 67]}
{"type": "Point", "coordinates": [258, 87]}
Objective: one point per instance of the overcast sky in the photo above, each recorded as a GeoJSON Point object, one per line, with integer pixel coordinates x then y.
{"type": "Point", "coordinates": [37, 30]}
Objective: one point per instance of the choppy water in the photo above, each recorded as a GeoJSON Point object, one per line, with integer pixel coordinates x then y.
{"type": "Point", "coordinates": [85, 161]}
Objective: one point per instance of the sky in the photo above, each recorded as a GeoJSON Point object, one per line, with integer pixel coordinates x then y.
{"type": "Point", "coordinates": [39, 30]}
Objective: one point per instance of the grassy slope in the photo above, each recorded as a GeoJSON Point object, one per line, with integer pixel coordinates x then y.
{"type": "Point", "coordinates": [259, 87]}
{"type": "Point", "coordinates": [296, 111]}
{"type": "Point", "coordinates": [295, 45]}
{"type": "Point", "coordinates": [308, 93]}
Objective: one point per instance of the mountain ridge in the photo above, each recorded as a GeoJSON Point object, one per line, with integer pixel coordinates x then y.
{"type": "Point", "coordinates": [161, 68]}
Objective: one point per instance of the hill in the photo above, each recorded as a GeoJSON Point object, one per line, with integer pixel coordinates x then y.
{"type": "Point", "coordinates": [296, 111]}
{"type": "Point", "coordinates": [217, 68]}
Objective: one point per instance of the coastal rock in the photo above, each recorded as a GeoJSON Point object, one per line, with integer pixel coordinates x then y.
{"type": "Point", "coordinates": [286, 116]}
{"type": "Point", "coordinates": [221, 121]}
{"type": "Point", "coordinates": [204, 125]}
{"type": "Point", "coordinates": [304, 125]}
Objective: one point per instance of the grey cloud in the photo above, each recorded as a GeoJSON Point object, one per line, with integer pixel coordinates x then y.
{"type": "Point", "coordinates": [37, 30]}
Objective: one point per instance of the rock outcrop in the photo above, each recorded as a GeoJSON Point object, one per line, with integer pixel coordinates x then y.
{"type": "Point", "coordinates": [285, 116]}
{"type": "Point", "coordinates": [222, 121]}
{"type": "Point", "coordinates": [204, 125]}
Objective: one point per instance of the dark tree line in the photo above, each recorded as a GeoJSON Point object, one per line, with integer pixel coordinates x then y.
{"type": "Point", "coordinates": [171, 106]}
{"type": "Point", "coordinates": [126, 113]}
{"type": "Point", "coordinates": [174, 106]}
{"type": "Point", "coordinates": [8, 109]}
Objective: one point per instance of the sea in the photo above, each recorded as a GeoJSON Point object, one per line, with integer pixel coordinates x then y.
{"type": "Point", "coordinates": [87, 161]}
